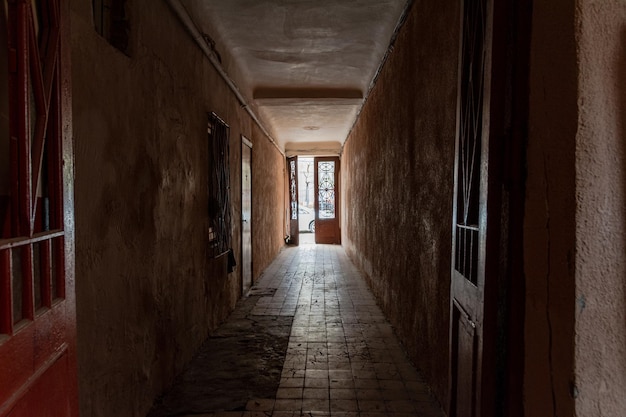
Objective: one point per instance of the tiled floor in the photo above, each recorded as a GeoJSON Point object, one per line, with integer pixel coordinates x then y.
{"type": "Point", "coordinates": [343, 359]}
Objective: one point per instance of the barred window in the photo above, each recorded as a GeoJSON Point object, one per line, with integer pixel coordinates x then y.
{"type": "Point", "coordinates": [219, 186]}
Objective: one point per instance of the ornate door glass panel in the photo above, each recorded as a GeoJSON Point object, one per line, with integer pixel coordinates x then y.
{"type": "Point", "coordinates": [292, 166]}
{"type": "Point", "coordinates": [293, 189]}
{"type": "Point", "coordinates": [326, 186]}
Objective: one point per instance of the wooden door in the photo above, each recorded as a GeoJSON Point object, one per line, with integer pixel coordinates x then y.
{"type": "Point", "coordinates": [487, 290]}
{"type": "Point", "coordinates": [470, 226]}
{"type": "Point", "coordinates": [294, 227]}
{"type": "Point", "coordinates": [37, 306]}
{"type": "Point", "coordinates": [487, 294]}
{"type": "Point", "coordinates": [246, 215]}
{"type": "Point", "coordinates": [326, 180]}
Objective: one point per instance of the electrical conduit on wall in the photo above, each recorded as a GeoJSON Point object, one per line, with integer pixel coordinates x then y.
{"type": "Point", "coordinates": [197, 36]}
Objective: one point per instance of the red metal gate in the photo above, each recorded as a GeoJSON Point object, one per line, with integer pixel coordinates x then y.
{"type": "Point", "coordinates": [37, 308]}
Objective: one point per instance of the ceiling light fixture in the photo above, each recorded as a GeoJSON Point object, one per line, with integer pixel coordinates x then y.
{"type": "Point", "coordinates": [311, 128]}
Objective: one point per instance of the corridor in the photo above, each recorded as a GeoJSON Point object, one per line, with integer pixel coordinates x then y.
{"type": "Point", "coordinates": [342, 357]}
{"type": "Point", "coordinates": [469, 156]}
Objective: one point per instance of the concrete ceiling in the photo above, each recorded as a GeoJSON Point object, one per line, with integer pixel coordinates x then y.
{"type": "Point", "coordinates": [304, 66]}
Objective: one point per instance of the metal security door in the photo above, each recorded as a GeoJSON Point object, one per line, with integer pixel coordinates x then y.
{"type": "Point", "coordinates": [469, 285]}
{"type": "Point", "coordinates": [294, 228]}
{"type": "Point", "coordinates": [246, 215]}
{"type": "Point", "coordinates": [37, 306]}
{"type": "Point", "coordinates": [326, 200]}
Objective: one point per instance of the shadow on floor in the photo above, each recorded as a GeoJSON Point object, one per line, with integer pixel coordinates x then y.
{"type": "Point", "coordinates": [243, 359]}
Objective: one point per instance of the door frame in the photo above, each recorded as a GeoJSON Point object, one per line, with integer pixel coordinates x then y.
{"type": "Point", "coordinates": [245, 143]}
{"type": "Point", "coordinates": [327, 231]}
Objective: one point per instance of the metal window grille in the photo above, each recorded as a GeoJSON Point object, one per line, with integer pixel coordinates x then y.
{"type": "Point", "coordinates": [219, 186]}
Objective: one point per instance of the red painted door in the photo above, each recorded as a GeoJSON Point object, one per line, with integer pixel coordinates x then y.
{"type": "Point", "coordinates": [37, 309]}
{"type": "Point", "coordinates": [326, 200]}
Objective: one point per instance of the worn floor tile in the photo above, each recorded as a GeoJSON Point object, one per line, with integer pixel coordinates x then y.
{"type": "Point", "coordinates": [342, 357]}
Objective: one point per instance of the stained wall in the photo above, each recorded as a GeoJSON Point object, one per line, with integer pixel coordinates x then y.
{"type": "Point", "coordinates": [268, 203]}
{"type": "Point", "coordinates": [147, 292]}
{"type": "Point", "coordinates": [397, 181]}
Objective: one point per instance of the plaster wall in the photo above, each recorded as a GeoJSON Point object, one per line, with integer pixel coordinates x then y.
{"type": "Point", "coordinates": [600, 266]}
{"type": "Point", "coordinates": [147, 293]}
{"type": "Point", "coordinates": [268, 202]}
{"type": "Point", "coordinates": [397, 177]}
{"type": "Point", "coordinates": [575, 231]}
